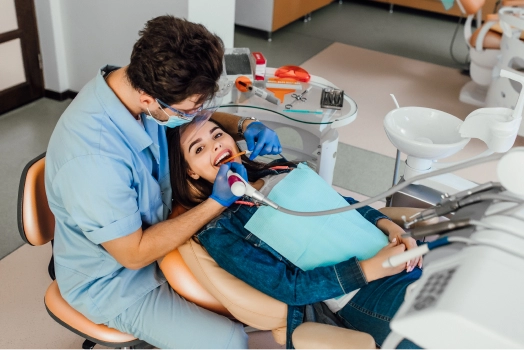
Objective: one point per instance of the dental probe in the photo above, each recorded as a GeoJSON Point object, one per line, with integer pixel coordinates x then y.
{"type": "Point", "coordinates": [240, 187]}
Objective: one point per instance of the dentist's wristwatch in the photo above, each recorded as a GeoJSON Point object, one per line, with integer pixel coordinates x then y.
{"type": "Point", "coordinates": [241, 124]}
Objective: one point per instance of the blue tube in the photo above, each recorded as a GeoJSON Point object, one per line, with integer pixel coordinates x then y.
{"type": "Point", "coordinates": [438, 243]}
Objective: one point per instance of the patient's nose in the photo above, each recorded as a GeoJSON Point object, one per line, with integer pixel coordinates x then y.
{"type": "Point", "coordinates": [218, 146]}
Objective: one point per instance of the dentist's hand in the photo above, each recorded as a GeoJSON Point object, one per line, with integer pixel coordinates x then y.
{"type": "Point", "coordinates": [221, 190]}
{"type": "Point", "coordinates": [261, 140]}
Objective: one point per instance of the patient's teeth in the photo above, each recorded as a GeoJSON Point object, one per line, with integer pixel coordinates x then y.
{"type": "Point", "coordinates": [227, 154]}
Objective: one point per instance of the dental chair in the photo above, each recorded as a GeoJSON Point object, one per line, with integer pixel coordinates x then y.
{"type": "Point", "coordinates": [237, 300]}
{"type": "Point", "coordinates": [190, 271]}
{"type": "Point", "coordinates": [484, 49]}
{"type": "Point", "coordinates": [194, 275]}
{"type": "Point", "coordinates": [36, 225]}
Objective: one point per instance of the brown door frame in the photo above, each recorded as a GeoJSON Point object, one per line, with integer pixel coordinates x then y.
{"type": "Point", "coordinates": [33, 87]}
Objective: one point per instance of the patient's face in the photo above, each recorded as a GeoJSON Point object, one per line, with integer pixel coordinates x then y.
{"type": "Point", "coordinates": [206, 149]}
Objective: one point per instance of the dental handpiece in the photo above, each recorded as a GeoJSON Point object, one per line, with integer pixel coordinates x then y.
{"type": "Point", "coordinates": [260, 93]}
{"type": "Point", "coordinates": [240, 187]}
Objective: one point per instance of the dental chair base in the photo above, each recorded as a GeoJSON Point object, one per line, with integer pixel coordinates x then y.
{"type": "Point", "coordinates": [467, 300]}
{"type": "Point", "coordinates": [473, 94]}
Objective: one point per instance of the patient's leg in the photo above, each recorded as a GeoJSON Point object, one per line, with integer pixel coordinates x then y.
{"type": "Point", "coordinates": [373, 307]}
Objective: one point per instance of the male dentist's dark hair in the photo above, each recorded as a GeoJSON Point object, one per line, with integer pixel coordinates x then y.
{"type": "Point", "coordinates": [174, 59]}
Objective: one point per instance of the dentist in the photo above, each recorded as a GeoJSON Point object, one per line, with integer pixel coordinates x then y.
{"type": "Point", "coordinates": [108, 186]}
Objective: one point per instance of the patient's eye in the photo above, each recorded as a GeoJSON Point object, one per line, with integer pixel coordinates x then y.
{"type": "Point", "coordinates": [199, 149]}
{"type": "Point", "coordinates": [218, 134]}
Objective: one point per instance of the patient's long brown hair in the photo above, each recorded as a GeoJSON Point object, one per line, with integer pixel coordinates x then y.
{"type": "Point", "coordinates": [187, 191]}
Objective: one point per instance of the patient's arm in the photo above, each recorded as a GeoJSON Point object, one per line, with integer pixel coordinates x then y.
{"type": "Point", "coordinates": [370, 214]}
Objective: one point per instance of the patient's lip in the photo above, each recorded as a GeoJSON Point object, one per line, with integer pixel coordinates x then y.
{"type": "Point", "coordinates": [220, 155]}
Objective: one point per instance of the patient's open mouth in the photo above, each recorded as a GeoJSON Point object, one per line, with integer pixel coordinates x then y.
{"type": "Point", "coordinates": [221, 157]}
{"type": "Point", "coordinates": [234, 156]}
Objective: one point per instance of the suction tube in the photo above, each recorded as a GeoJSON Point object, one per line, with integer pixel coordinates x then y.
{"type": "Point", "coordinates": [251, 192]}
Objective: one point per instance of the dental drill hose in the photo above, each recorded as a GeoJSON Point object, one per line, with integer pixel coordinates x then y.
{"type": "Point", "coordinates": [389, 192]}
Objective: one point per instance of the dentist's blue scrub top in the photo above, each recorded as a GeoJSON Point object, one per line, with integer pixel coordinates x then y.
{"type": "Point", "coordinates": [106, 176]}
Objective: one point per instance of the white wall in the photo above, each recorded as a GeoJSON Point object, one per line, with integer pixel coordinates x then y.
{"type": "Point", "coordinates": [50, 33]}
{"type": "Point", "coordinates": [79, 37]}
{"type": "Point", "coordinates": [216, 15]}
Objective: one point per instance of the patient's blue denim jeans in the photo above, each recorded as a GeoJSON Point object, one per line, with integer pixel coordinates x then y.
{"type": "Point", "coordinates": [373, 307]}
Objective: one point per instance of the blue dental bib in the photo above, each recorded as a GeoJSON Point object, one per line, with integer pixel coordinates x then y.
{"type": "Point", "coordinates": [313, 241]}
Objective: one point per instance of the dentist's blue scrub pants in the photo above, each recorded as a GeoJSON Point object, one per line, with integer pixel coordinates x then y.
{"type": "Point", "coordinates": [166, 320]}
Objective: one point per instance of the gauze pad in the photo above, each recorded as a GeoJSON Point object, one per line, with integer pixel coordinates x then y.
{"type": "Point", "coordinates": [314, 241]}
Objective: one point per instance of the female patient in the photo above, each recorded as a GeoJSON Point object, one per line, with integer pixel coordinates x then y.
{"type": "Point", "coordinates": [359, 295]}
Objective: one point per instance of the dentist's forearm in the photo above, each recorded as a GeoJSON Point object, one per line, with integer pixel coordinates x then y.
{"type": "Point", "coordinates": [141, 248]}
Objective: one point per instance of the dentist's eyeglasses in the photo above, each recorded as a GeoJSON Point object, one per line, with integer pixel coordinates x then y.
{"type": "Point", "coordinates": [179, 114]}
{"type": "Point", "coordinates": [197, 119]}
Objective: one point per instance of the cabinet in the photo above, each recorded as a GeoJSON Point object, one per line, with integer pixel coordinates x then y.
{"type": "Point", "coordinates": [270, 15]}
{"type": "Point", "coordinates": [437, 6]}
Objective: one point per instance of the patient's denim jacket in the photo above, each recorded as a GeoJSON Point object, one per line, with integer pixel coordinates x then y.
{"type": "Point", "coordinates": [248, 258]}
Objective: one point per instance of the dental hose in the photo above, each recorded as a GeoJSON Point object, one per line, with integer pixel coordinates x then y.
{"type": "Point", "coordinates": [240, 187]}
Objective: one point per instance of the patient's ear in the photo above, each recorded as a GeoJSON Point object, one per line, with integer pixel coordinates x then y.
{"type": "Point", "coordinates": [192, 174]}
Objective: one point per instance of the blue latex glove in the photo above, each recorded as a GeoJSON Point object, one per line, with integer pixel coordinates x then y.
{"type": "Point", "coordinates": [261, 140]}
{"type": "Point", "coordinates": [221, 190]}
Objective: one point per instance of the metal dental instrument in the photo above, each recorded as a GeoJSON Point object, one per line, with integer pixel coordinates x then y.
{"type": "Point", "coordinates": [298, 97]}
{"type": "Point", "coordinates": [439, 228]}
{"type": "Point", "coordinates": [452, 203]}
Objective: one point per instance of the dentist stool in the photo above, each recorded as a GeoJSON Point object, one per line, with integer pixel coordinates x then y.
{"type": "Point", "coordinates": [36, 225]}
{"type": "Point", "coordinates": [193, 274]}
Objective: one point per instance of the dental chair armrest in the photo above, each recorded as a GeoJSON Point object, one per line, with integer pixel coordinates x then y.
{"type": "Point", "coordinates": [310, 335]}
{"type": "Point", "coordinates": [396, 213]}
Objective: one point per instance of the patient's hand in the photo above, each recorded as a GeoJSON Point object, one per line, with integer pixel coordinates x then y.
{"type": "Point", "coordinates": [373, 268]}
{"type": "Point", "coordinates": [410, 243]}
{"type": "Point", "coordinates": [393, 231]}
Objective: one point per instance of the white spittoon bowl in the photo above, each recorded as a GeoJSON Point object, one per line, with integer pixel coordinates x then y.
{"type": "Point", "coordinates": [424, 133]}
